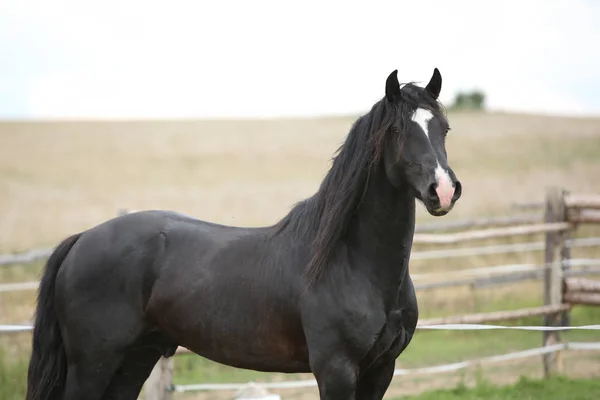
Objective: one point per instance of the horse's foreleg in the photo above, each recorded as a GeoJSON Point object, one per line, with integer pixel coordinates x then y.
{"type": "Point", "coordinates": [376, 375]}
{"type": "Point", "coordinates": [336, 376]}
{"type": "Point", "coordinates": [375, 382]}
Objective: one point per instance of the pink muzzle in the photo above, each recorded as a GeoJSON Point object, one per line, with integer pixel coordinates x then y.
{"type": "Point", "coordinates": [445, 192]}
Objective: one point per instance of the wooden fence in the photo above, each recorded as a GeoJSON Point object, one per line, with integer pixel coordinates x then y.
{"type": "Point", "coordinates": [563, 214]}
{"type": "Point", "coordinates": [563, 286]}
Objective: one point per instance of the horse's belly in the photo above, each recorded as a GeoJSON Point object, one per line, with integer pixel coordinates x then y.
{"type": "Point", "coordinates": [242, 317]}
{"type": "Point", "coordinates": [273, 351]}
{"type": "Point", "coordinates": [235, 330]}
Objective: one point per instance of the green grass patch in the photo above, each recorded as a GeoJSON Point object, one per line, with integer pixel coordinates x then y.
{"type": "Point", "coordinates": [440, 347]}
{"type": "Point", "coordinates": [21, 272]}
{"type": "Point", "coordinates": [556, 388]}
{"type": "Point", "coordinates": [190, 368]}
{"type": "Point", "coordinates": [13, 375]}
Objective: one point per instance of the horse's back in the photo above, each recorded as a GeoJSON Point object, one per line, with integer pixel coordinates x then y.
{"type": "Point", "coordinates": [128, 253]}
{"type": "Point", "coordinates": [209, 287]}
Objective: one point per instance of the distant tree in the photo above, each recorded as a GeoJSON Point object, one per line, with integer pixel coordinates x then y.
{"type": "Point", "coordinates": [478, 100]}
{"type": "Point", "coordinates": [474, 100]}
{"type": "Point", "coordinates": [460, 100]}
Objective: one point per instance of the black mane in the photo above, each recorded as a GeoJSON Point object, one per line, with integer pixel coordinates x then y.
{"type": "Point", "coordinates": [326, 215]}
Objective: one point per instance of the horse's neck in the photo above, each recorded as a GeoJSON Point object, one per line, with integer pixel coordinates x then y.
{"type": "Point", "coordinates": [382, 231]}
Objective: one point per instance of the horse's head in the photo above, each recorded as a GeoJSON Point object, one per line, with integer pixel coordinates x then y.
{"type": "Point", "coordinates": [415, 156]}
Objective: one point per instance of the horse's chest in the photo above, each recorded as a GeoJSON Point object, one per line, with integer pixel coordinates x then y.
{"type": "Point", "coordinates": [393, 329]}
{"type": "Point", "coordinates": [394, 335]}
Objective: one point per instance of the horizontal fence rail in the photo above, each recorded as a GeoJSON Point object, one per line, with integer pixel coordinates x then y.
{"type": "Point", "coordinates": [36, 255]}
{"type": "Point", "coordinates": [478, 223]}
{"type": "Point", "coordinates": [590, 201]}
{"type": "Point", "coordinates": [499, 249]}
{"type": "Point", "coordinates": [511, 231]}
{"type": "Point", "coordinates": [502, 274]}
{"type": "Point", "coordinates": [486, 282]}
{"type": "Point", "coordinates": [502, 269]}
{"type": "Point", "coordinates": [26, 257]}
{"type": "Point", "coordinates": [493, 316]}
{"type": "Point", "coordinates": [584, 216]}
{"type": "Point", "coordinates": [490, 275]}
{"type": "Point", "coordinates": [17, 287]}
{"type": "Point", "coordinates": [571, 201]}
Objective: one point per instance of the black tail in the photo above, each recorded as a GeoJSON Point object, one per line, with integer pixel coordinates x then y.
{"type": "Point", "coordinates": [48, 364]}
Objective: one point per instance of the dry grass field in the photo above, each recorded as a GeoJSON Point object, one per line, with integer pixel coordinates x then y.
{"type": "Point", "coordinates": [60, 177]}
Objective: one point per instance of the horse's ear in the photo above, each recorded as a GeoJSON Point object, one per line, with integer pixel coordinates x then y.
{"type": "Point", "coordinates": [434, 87]}
{"type": "Point", "coordinates": [392, 86]}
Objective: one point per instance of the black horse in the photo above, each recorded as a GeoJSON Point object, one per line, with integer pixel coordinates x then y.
{"type": "Point", "coordinates": [325, 290]}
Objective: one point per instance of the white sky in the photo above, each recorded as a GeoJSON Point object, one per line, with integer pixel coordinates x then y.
{"type": "Point", "coordinates": [219, 58]}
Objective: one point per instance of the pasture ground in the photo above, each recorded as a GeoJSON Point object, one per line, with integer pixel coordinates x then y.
{"type": "Point", "coordinates": [558, 388]}
{"type": "Point", "coordinates": [60, 177]}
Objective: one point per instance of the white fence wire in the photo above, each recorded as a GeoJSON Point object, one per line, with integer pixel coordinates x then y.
{"type": "Point", "coordinates": [449, 327]}
{"type": "Point", "coordinates": [423, 370]}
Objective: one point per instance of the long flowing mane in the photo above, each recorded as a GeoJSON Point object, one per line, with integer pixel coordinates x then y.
{"type": "Point", "coordinates": [326, 215]}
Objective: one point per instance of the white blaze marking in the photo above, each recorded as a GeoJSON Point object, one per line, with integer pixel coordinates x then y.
{"type": "Point", "coordinates": [445, 188]}
{"type": "Point", "coordinates": [422, 118]}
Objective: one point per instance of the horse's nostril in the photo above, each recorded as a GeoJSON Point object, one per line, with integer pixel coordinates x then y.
{"type": "Point", "coordinates": [431, 191]}
{"type": "Point", "coordinates": [457, 190]}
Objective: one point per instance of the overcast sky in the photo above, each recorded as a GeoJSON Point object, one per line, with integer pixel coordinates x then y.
{"type": "Point", "coordinates": [219, 58]}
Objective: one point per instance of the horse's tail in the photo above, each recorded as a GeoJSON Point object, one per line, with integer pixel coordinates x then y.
{"type": "Point", "coordinates": [48, 363]}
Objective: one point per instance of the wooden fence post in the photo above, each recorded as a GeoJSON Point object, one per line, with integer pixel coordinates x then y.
{"type": "Point", "coordinates": [158, 385]}
{"type": "Point", "coordinates": [553, 276]}
{"type": "Point", "coordinates": [565, 257]}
